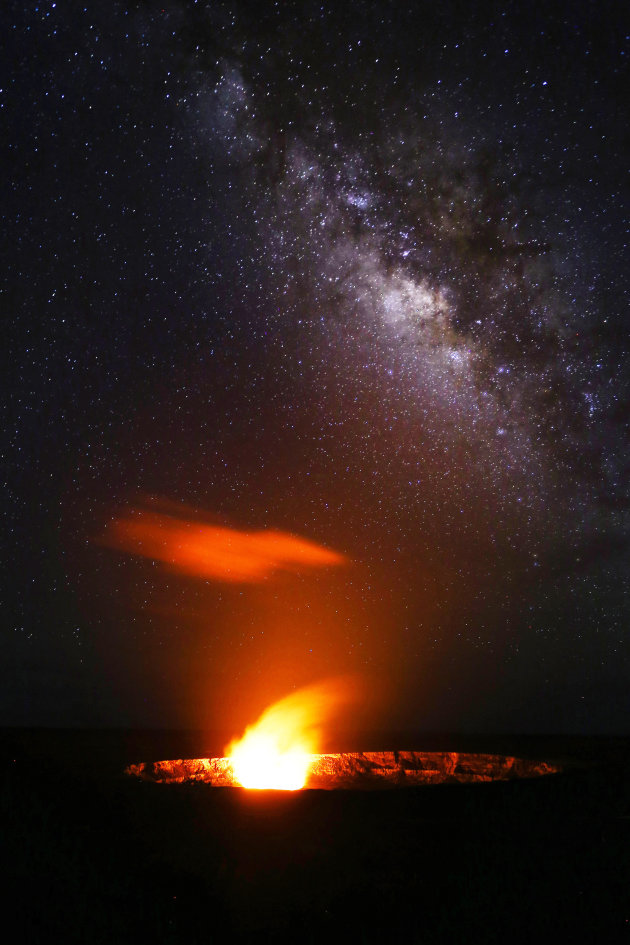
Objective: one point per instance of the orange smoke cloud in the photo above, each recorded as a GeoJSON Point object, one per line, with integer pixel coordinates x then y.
{"type": "Point", "coordinates": [213, 551]}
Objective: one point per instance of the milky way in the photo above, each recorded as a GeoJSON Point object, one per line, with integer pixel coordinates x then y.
{"type": "Point", "coordinates": [430, 266]}
{"type": "Point", "coordinates": [358, 275]}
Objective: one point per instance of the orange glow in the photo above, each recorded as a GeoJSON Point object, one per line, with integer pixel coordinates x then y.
{"type": "Point", "coordinates": [359, 769]}
{"type": "Point", "coordinates": [278, 750]}
{"type": "Point", "coordinates": [214, 551]}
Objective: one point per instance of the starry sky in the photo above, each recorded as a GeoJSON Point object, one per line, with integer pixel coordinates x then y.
{"type": "Point", "coordinates": [354, 272]}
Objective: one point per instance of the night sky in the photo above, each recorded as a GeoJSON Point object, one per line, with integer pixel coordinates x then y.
{"type": "Point", "coordinates": [357, 272]}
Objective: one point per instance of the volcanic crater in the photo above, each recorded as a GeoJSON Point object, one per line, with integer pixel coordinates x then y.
{"type": "Point", "coordinates": [362, 770]}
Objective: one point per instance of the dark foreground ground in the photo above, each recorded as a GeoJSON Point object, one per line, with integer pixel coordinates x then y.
{"type": "Point", "coordinates": [92, 856]}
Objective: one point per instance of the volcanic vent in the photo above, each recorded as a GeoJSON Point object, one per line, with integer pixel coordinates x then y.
{"type": "Point", "coordinates": [280, 752]}
{"type": "Point", "coordinates": [360, 770]}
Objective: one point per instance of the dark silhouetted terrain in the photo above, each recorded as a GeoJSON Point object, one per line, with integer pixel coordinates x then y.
{"type": "Point", "coordinates": [93, 856]}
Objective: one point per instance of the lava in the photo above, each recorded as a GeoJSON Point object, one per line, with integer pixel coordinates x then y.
{"type": "Point", "coordinates": [259, 762]}
{"type": "Point", "coordinates": [279, 749]}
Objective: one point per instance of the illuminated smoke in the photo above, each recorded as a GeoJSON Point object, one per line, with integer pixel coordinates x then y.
{"type": "Point", "coordinates": [216, 552]}
{"type": "Point", "coordinates": [278, 750]}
